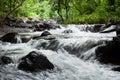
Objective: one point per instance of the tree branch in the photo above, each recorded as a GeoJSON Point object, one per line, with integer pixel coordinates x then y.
{"type": "Point", "coordinates": [12, 10]}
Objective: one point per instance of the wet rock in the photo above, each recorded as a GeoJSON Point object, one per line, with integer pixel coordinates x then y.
{"type": "Point", "coordinates": [39, 27]}
{"type": "Point", "coordinates": [111, 22]}
{"type": "Point", "coordinates": [109, 29]}
{"type": "Point", "coordinates": [45, 33]}
{"type": "Point", "coordinates": [45, 26]}
{"type": "Point", "coordinates": [31, 23]}
{"type": "Point", "coordinates": [35, 62]}
{"type": "Point", "coordinates": [116, 69]}
{"type": "Point", "coordinates": [25, 39]}
{"type": "Point", "coordinates": [111, 26]}
{"type": "Point", "coordinates": [109, 53]}
{"type": "Point", "coordinates": [5, 60]}
{"type": "Point", "coordinates": [10, 37]}
{"type": "Point", "coordinates": [24, 25]}
{"type": "Point", "coordinates": [49, 37]}
{"type": "Point", "coordinates": [68, 31]}
{"type": "Point", "coordinates": [118, 30]}
{"type": "Point", "coordinates": [96, 28]}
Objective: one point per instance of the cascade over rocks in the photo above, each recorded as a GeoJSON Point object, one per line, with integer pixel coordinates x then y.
{"type": "Point", "coordinates": [109, 29]}
{"type": "Point", "coordinates": [109, 53]}
{"type": "Point", "coordinates": [111, 26]}
{"type": "Point", "coordinates": [5, 60]}
{"type": "Point", "coordinates": [105, 28]}
{"type": "Point", "coordinates": [45, 35]}
{"type": "Point", "coordinates": [10, 37]}
{"type": "Point", "coordinates": [35, 62]}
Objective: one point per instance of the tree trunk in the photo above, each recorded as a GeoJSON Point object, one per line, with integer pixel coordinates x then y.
{"type": "Point", "coordinates": [59, 10]}
{"type": "Point", "coordinates": [9, 12]}
{"type": "Point", "coordinates": [12, 10]}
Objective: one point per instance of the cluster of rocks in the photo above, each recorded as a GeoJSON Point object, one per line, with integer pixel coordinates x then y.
{"type": "Point", "coordinates": [109, 52]}
{"type": "Point", "coordinates": [34, 24]}
{"type": "Point", "coordinates": [104, 28]}
{"type": "Point", "coordinates": [12, 37]}
{"type": "Point", "coordinates": [32, 62]}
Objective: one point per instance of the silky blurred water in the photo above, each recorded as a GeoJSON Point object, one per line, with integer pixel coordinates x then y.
{"type": "Point", "coordinates": [72, 55]}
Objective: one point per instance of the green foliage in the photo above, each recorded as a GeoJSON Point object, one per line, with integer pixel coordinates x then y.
{"type": "Point", "coordinates": [33, 8]}
{"type": "Point", "coordinates": [68, 11]}
{"type": "Point", "coordinates": [8, 6]}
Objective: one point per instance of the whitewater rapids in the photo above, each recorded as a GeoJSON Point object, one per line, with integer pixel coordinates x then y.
{"type": "Point", "coordinates": [72, 55]}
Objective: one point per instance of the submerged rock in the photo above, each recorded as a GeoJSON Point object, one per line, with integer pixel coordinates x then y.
{"type": "Point", "coordinates": [35, 62]}
{"type": "Point", "coordinates": [68, 31]}
{"type": "Point", "coordinates": [109, 53]}
{"type": "Point", "coordinates": [10, 37]}
{"type": "Point", "coordinates": [5, 60]}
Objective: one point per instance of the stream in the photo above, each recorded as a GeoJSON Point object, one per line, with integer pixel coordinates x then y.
{"type": "Point", "coordinates": [73, 55]}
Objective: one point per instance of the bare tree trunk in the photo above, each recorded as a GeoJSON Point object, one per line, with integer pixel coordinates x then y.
{"type": "Point", "coordinates": [11, 10]}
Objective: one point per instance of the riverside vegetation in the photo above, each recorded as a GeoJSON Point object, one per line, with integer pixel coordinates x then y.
{"type": "Point", "coordinates": [65, 11]}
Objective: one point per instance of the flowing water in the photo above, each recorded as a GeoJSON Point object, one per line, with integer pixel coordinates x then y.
{"type": "Point", "coordinates": [73, 56]}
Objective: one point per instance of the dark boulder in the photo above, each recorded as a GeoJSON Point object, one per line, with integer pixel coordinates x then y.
{"type": "Point", "coordinates": [10, 37]}
{"type": "Point", "coordinates": [116, 69]}
{"type": "Point", "coordinates": [35, 62]}
{"type": "Point", "coordinates": [67, 31]}
{"type": "Point", "coordinates": [118, 30]}
{"type": "Point", "coordinates": [109, 53]}
{"type": "Point", "coordinates": [5, 60]}
{"type": "Point", "coordinates": [45, 33]}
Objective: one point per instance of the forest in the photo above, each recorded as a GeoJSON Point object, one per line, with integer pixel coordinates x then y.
{"type": "Point", "coordinates": [65, 11]}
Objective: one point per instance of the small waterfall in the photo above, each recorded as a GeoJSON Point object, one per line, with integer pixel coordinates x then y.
{"type": "Point", "coordinates": [73, 55]}
{"type": "Point", "coordinates": [19, 39]}
{"type": "Point", "coordinates": [75, 47]}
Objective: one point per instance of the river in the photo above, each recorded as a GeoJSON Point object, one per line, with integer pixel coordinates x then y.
{"type": "Point", "coordinates": [73, 55]}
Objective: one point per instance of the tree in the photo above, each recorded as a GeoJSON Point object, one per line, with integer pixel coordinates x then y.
{"type": "Point", "coordinates": [9, 6]}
